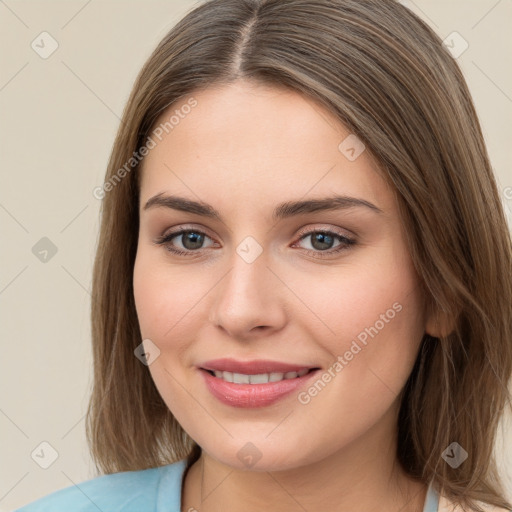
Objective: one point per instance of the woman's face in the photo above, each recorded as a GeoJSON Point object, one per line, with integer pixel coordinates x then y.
{"type": "Point", "coordinates": [273, 275]}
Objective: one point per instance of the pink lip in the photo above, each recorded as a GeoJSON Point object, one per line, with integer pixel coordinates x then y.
{"type": "Point", "coordinates": [254, 367]}
{"type": "Point", "coordinates": [252, 395]}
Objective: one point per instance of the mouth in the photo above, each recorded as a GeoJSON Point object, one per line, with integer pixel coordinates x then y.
{"type": "Point", "coordinates": [254, 367]}
{"type": "Point", "coordinates": [249, 384]}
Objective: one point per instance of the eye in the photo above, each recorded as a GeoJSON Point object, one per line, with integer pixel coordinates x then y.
{"type": "Point", "coordinates": [322, 242]}
{"type": "Point", "coordinates": [191, 240]}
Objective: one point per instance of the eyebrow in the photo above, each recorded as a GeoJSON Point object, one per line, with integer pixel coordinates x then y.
{"type": "Point", "coordinates": [282, 211]}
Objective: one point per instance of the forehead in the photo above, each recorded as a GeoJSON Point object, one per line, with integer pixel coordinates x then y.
{"type": "Point", "coordinates": [252, 142]}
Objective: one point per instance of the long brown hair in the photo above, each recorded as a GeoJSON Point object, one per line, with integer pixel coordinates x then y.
{"type": "Point", "coordinates": [388, 78]}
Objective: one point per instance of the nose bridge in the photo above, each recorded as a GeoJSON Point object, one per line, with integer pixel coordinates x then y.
{"type": "Point", "coordinates": [245, 286]}
{"type": "Point", "coordinates": [249, 294]}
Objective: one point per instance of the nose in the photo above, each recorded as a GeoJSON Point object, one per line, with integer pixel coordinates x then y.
{"type": "Point", "coordinates": [248, 301]}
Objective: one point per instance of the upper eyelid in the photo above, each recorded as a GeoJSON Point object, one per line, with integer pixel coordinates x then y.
{"type": "Point", "coordinates": [345, 232]}
{"type": "Point", "coordinates": [182, 228]}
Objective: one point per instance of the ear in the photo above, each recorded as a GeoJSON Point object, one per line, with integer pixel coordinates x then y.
{"type": "Point", "coordinates": [440, 323]}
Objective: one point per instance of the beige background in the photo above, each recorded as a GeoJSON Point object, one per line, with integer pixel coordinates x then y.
{"type": "Point", "coordinates": [58, 119]}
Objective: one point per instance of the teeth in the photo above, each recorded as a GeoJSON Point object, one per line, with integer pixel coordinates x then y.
{"type": "Point", "coordinates": [261, 378]}
{"type": "Point", "coordinates": [240, 378]}
{"type": "Point", "coordinates": [274, 377]}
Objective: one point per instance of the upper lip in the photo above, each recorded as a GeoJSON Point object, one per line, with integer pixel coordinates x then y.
{"type": "Point", "coordinates": [255, 367]}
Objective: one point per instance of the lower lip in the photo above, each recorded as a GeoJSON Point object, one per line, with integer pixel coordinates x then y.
{"type": "Point", "coordinates": [252, 395]}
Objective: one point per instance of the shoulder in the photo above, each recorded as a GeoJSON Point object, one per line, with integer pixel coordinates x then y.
{"type": "Point", "coordinates": [128, 491]}
{"type": "Point", "coordinates": [446, 505]}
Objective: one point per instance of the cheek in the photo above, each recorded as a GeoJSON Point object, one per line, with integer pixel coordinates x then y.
{"type": "Point", "coordinates": [164, 301]}
{"type": "Point", "coordinates": [172, 308]}
{"type": "Point", "coordinates": [370, 313]}
{"type": "Point", "coordinates": [343, 301]}
{"type": "Point", "coordinates": [377, 320]}
{"type": "Point", "coordinates": [383, 335]}
{"type": "Point", "coordinates": [163, 297]}
{"type": "Point", "coordinates": [149, 293]}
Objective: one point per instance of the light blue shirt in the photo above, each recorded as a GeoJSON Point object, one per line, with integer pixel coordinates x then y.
{"type": "Point", "coordinates": [149, 490]}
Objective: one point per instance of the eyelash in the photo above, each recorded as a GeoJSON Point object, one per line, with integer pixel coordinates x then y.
{"type": "Point", "coordinates": [345, 244]}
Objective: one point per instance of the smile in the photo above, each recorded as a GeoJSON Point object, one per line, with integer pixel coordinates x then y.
{"type": "Point", "coordinates": [253, 384]}
{"type": "Point", "coordinates": [260, 378]}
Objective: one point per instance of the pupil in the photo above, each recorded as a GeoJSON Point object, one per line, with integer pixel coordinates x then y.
{"type": "Point", "coordinates": [192, 240]}
{"type": "Point", "coordinates": [323, 239]}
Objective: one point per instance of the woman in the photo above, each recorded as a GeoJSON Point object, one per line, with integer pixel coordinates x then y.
{"type": "Point", "coordinates": [302, 294]}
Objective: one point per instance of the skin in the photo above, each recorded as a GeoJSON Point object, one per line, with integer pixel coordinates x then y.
{"type": "Point", "coordinates": [244, 149]}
